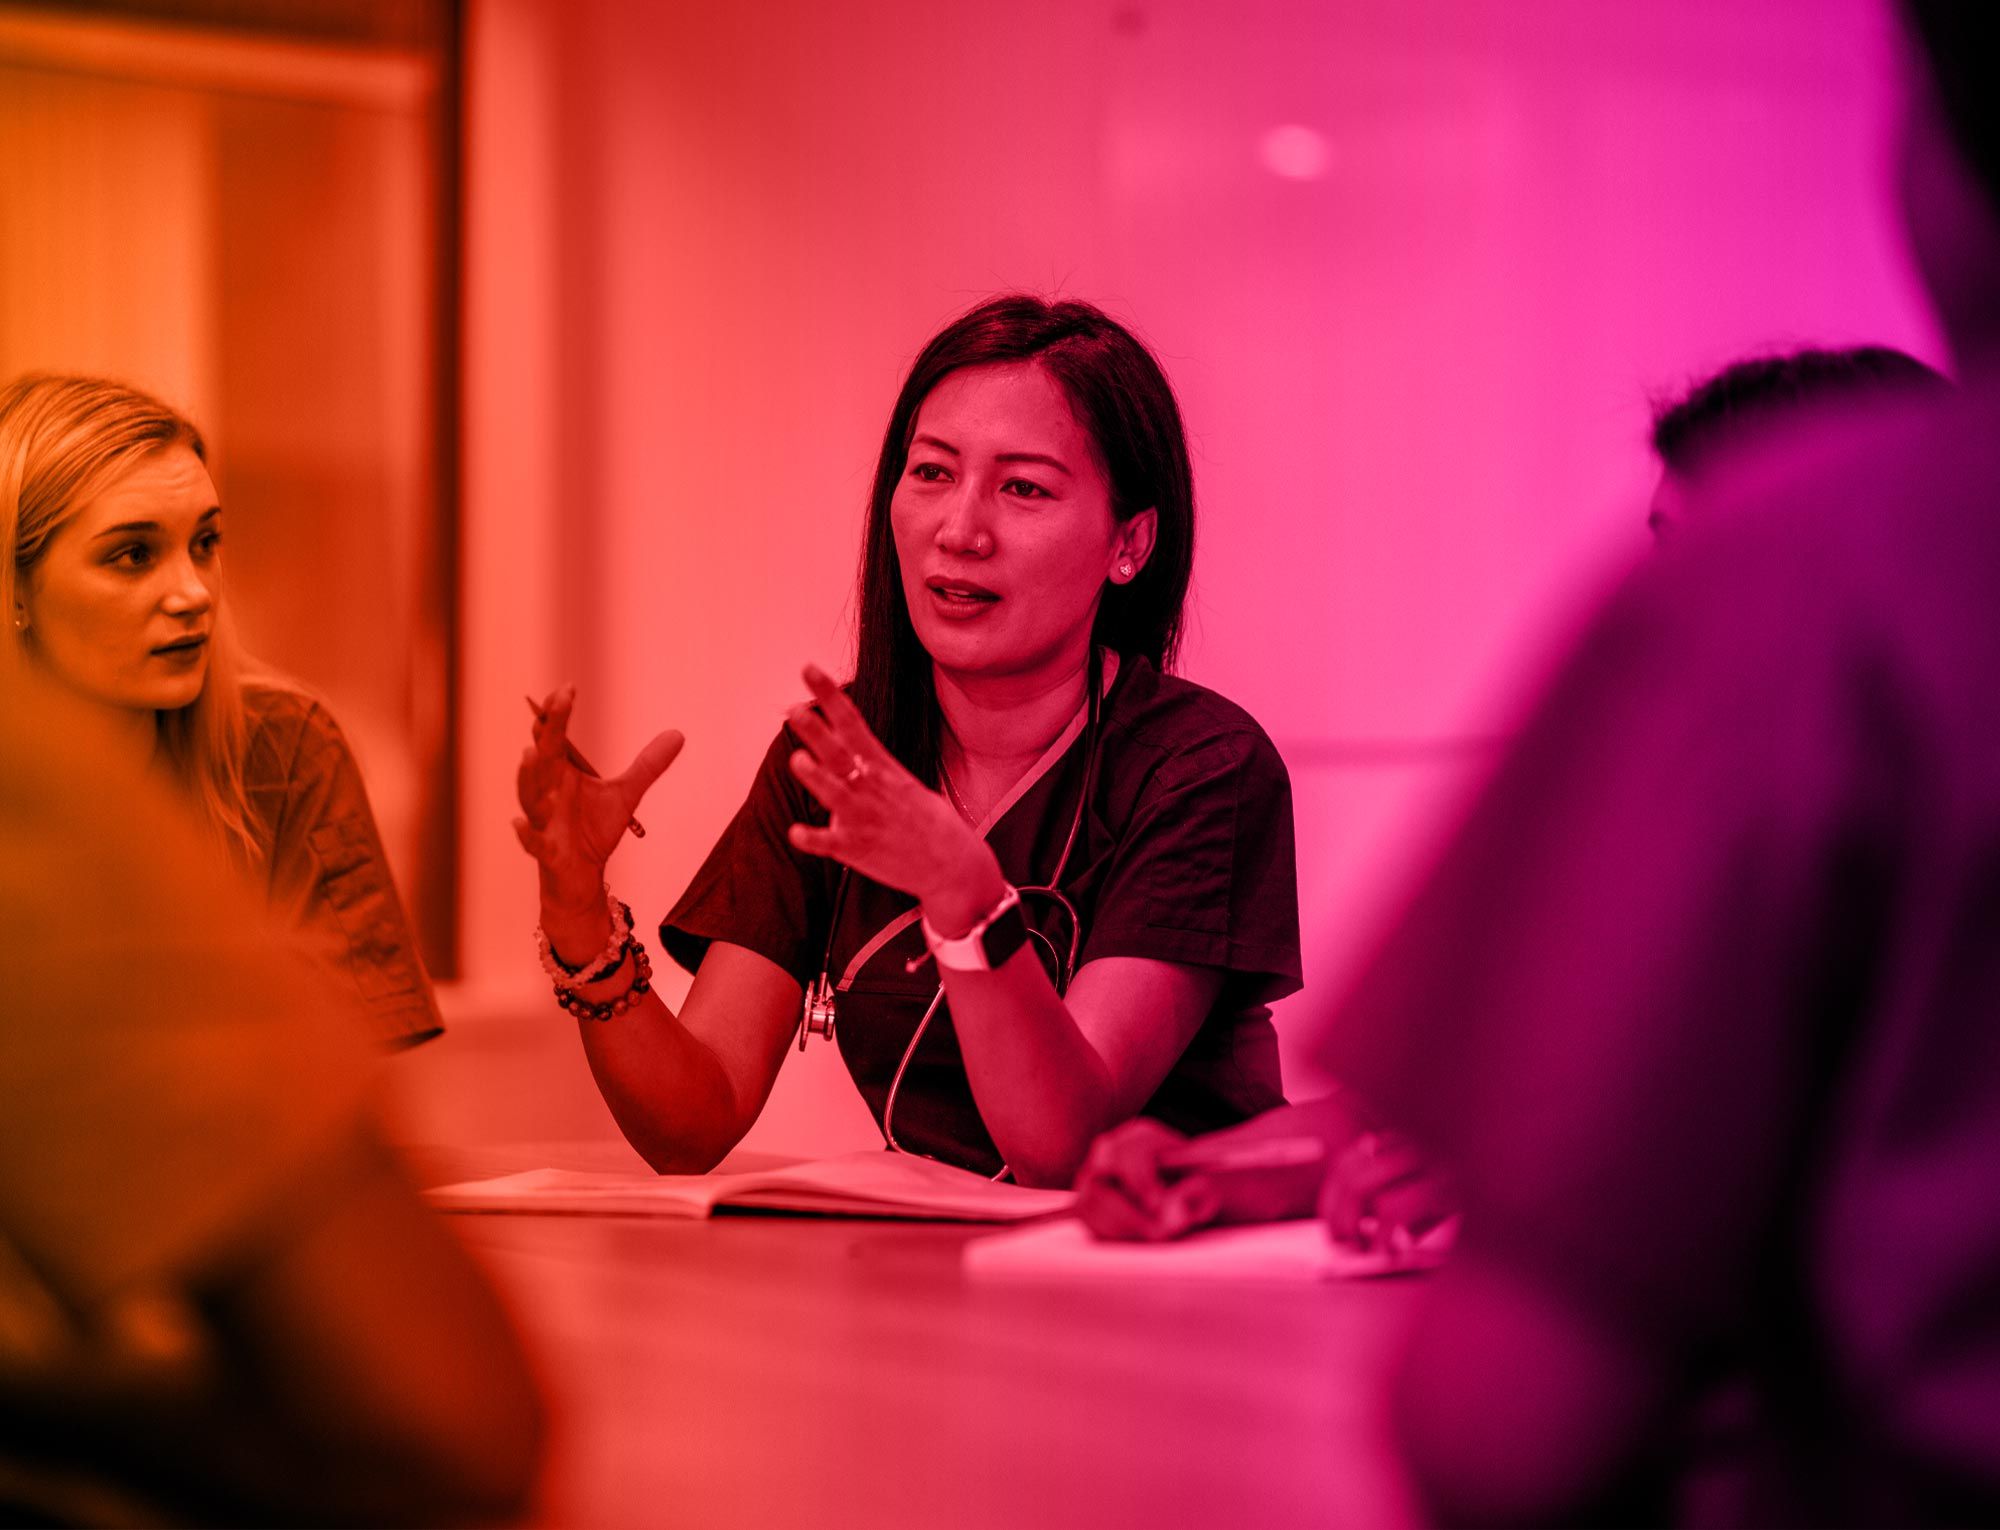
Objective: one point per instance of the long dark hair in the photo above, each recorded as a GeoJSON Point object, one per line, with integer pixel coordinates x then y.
{"type": "Point", "coordinates": [1122, 399]}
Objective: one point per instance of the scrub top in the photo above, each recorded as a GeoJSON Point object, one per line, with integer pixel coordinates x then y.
{"type": "Point", "coordinates": [1185, 854]}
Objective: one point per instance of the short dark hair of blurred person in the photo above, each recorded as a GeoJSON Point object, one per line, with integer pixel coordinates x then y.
{"type": "Point", "coordinates": [1700, 1001]}
{"type": "Point", "coordinates": [1731, 412]}
{"type": "Point", "coordinates": [220, 1298]}
{"type": "Point", "coordinates": [111, 572]}
{"type": "Point", "coordinates": [1142, 1180]}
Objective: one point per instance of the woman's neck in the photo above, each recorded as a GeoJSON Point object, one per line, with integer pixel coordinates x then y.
{"type": "Point", "coordinates": [997, 728]}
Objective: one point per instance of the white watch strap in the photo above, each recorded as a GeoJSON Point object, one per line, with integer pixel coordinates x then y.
{"type": "Point", "coordinates": [967, 952]}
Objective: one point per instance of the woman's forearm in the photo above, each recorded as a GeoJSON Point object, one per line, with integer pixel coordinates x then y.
{"type": "Point", "coordinates": [1042, 1089]}
{"type": "Point", "coordinates": [667, 1090]}
{"type": "Point", "coordinates": [1045, 1089]}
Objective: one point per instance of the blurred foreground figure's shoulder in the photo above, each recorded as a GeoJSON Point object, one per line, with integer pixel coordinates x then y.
{"type": "Point", "coordinates": [165, 1061]}
{"type": "Point", "coordinates": [325, 868]}
{"type": "Point", "coordinates": [1700, 1002]}
{"type": "Point", "coordinates": [220, 1299]}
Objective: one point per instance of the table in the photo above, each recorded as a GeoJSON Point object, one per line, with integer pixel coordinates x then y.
{"type": "Point", "coordinates": [791, 1371]}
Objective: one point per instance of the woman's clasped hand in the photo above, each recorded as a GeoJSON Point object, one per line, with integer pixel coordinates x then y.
{"type": "Point", "coordinates": [1375, 1190]}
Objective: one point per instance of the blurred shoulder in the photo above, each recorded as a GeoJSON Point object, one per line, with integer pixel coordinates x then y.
{"type": "Point", "coordinates": [1919, 480]}
{"type": "Point", "coordinates": [1872, 523]}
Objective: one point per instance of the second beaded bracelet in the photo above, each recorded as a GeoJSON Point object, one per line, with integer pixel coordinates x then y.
{"type": "Point", "coordinates": [642, 982]}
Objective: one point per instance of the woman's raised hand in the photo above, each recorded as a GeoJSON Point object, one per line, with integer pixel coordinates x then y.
{"type": "Point", "coordinates": [884, 822]}
{"type": "Point", "coordinates": [572, 820]}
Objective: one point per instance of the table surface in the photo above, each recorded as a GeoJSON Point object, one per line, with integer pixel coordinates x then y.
{"type": "Point", "coordinates": [782, 1371]}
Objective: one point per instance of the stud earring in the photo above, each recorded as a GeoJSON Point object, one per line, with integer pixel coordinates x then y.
{"type": "Point", "coordinates": [1125, 568]}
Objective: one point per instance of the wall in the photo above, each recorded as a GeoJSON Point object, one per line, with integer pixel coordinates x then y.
{"type": "Point", "coordinates": [245, 224]}
{"type": "Point", "coordinates": [1415, 270]}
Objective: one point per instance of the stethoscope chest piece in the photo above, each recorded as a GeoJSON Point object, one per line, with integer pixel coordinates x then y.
{"type": "Point", "coordinates": [819, 1012]}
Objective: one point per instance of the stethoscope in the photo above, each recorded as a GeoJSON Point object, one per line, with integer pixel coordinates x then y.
{"type": "Point", "coordinates": [821, 1011]}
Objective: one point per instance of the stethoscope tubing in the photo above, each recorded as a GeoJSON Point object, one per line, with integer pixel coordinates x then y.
{"type": "Point", "coordinates": [822, 998]}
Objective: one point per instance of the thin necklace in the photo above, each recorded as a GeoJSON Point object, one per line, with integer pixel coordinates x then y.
{"type": "Point", "coordinates": [952, 796]}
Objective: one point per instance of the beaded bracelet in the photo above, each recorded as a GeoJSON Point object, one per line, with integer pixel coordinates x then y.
{"type": "Point", "coordinates": [563, 975]}
{"type": "Point", "coordinates": [583, 1009]}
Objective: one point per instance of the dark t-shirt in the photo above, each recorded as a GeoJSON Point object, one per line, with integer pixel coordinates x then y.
{"type": "Point", "coordinates": [1185, 855]}
{"type": "Point", "coordinates": [1705, 998]}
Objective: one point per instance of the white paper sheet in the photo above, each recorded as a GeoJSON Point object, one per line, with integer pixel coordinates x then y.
{"type": "Point", "coordinates": [1283, 1253]}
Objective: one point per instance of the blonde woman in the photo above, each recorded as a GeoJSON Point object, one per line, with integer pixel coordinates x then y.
{"type": "Point", "coordinates": [113, 584]}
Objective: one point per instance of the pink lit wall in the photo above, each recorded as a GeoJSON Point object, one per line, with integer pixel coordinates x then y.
{"type": "Point", "coordinates": [1415, 270]}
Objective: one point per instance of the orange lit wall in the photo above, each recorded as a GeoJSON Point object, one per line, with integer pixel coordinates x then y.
{"type": "Point", "coordinates": [1415, 271]}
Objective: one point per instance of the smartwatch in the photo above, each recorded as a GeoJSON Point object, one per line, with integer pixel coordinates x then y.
{"type": "Point", "coordinates": [987, 945]}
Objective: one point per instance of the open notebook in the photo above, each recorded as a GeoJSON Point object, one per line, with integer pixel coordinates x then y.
{"type": "Point", "coordinates": [864, 1184]}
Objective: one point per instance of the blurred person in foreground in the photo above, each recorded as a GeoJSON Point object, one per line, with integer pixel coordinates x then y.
{"type": "Point", "coordinates": [1336, 1155]}
{"type": "Point", "coordinates": [1740, 409]}
{"type": "Point", "coordinates": [1701, 1000]}
{"type": "Point", "coordinates": [220, 1298]}
{"type": "Point", "coordinates": [112, 581]}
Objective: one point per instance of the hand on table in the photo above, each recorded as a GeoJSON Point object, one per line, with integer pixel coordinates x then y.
{"type": "Point", "coordinates": [1383, 1193]}
{"type": "Point", "coordinates": [574, 820]}
{"type": "Point", "coordinates": [1146, 1182]}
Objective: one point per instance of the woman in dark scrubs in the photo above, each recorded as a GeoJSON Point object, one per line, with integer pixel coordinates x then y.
{"type": "Point", "coordinates": [1048, 885]}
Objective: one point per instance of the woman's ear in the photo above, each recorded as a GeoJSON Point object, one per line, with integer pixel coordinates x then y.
{"type": "Point", "coordinates": [1134, 546]}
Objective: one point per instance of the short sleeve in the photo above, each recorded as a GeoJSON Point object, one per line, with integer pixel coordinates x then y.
{"type": "Point", "coordinates": [329, 871]}
{"type": "Point", "coordinates": [754, 890]}
{"type": "Point", "coordinates": [1205, 871]}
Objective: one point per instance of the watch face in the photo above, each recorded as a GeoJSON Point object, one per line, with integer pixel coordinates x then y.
{"type": "Point", "coordinates": [1007, 933]}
